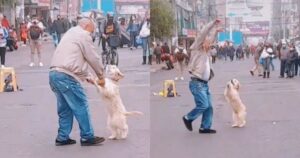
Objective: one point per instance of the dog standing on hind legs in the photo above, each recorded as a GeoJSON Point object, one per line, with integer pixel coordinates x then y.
{"type": "Point", "coordinates": [232, 96]}
{"type": "Point", "coordinates": [117, 113]}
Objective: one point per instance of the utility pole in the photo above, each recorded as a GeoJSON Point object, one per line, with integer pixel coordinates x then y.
{"type": "Point", "coordinates": [68, 1]}
{"type": "Point", "coordinates": [283, 20]}
{"type": "Point", "coordinates": [176, 21]}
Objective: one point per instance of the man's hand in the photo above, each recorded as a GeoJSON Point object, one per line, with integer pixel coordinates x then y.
{"type": "Point", "coordinates": [90, 80]}
{"type": "Point", "coordinates": [220, 30]}
{"type": "Point", "coordinates": [101, 82]}
{"type": "Point", "coordinates": [217, 21]}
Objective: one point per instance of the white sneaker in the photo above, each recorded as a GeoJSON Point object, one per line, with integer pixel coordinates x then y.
{"type": "Point", "coordinates": [2, 66]}
{"type": "Point", "coordinates": [176, 78]}
{"type": "Point", "coordinates": [31, 64]}
{"type": "Point", "coordinates": [41, 64]}
{"type": "Point", "coordinates": [181, 78]}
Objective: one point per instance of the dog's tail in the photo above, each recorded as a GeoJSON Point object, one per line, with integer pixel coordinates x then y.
{"type": "Point", "coordinates": [133, 113]}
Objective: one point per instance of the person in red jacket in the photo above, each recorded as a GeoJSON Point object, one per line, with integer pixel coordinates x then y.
{"type": "Point", "coordinates": [5, 22]}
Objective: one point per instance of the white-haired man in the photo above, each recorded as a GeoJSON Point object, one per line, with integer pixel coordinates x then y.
{"type": "Point", "coordinates": [69, 67]}
{"type": "Point", "coordinates": [200, 70]}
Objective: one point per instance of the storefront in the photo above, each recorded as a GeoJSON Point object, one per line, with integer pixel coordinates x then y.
{"type": "Point", "coordinates": [38, 8]}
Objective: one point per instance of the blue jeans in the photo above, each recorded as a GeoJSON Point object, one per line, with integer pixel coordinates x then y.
{"type": "Point", "coordinates": [202, 99]}
{"type": "Point", "coordinates": [71, 101]}
{"type": "Point", "coordinates": [273, 67]}
{"type": "Point", "coordinates": [55, 39]}
{"type": "Point", "coordinates": [146, 48]}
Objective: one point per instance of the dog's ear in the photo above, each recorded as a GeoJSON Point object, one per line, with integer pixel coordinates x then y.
{"type": "Point", "coordinates": [238, 85]}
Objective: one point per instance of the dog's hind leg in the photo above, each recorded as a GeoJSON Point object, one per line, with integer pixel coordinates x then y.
{"type": "Point", "coordinates": [234, 119]}
{"type": "Point", "coordinates": [119, 133]}
{"type": "Point", "coordinates": [125, 132]}
{"type": "Point", "coordinates": [242, 119]}
{"type": "Point", "coordinates": [113, 134]}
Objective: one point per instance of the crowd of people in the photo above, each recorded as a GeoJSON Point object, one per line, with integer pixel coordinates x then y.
{"type": "Point", "coordinates": [287, 54]}
{"type": "Point", "coordinates": [33, 29]}
{"type": "Point", "coordinates": [264, 53]}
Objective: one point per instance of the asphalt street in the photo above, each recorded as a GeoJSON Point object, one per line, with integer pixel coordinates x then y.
{"type": "Point", "coordinates": [29, 121]}
{"type": "Point", "coordinates": [272, 129]}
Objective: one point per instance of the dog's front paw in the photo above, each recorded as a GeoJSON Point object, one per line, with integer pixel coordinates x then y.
{"type": "Point", "coordinates": [243, 124]}
{"type": "Point", "coordinates": [112, 137]}
{"type": "Point", "coordinates": [234, 125]}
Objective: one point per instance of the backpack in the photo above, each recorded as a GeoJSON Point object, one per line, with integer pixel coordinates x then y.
{"type": "Point", "coordinates": [35, 32]}
{"type": "Point", "coordinates": [180, 56]}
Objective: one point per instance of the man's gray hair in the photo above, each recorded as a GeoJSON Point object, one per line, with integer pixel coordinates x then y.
{"type": "Point", "coordinates": [85, 21]}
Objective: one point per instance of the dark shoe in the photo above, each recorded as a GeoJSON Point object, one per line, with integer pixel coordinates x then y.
{"type": "Point", "coordinates": [252, 73]}
{"type": "Point", "coordinates": [144, 60]}
{"type": "Point", "coordinates": [65, 142]}
{"type": "Point", "coordinates": [264, 75]}
{"type": "Point", "coordinates": [268, 74]}
{"type": "Point", "coordinates": [150, 60]}
{"type": "Point", "coordinates": [260, 75]}
{"type": "Point", "coordinates": [187, 123]}
{"type": "Point", "coordinates": [92, 141]}
{"type": "Point", "coordinates": [207, 131]}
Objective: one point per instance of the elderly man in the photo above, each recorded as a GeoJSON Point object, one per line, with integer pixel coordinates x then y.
{"type": "Point", "coordinates": [69, 67]}
{"type": "Point", "coordinates": [200, 70]}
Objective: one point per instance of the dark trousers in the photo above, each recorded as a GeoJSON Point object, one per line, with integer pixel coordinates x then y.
{"type": "Point", "coordinates": [231, 58]}
{"type": "Point", "coordinates": [2, 55]}
{"type": "Point", "coordinates": [133, 39]}
{"type": "Point", "coordinates": [214, 59]}
{"type": "Point", "coordinates": [290, 69]}
{"type": "Point", "coordinates": [282, 67]}
{"type": "Point", "coordinates": [158, 58]}
{"type": "Point", "coordinates": [103, 44]}
{"type": "Point", "coordinates": [58, 37]}
{"type": "Point", "coordinates": [297, 64]}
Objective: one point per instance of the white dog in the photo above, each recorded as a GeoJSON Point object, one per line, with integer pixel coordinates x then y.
{"type": "Point", "coordinates": [117, 114]}
{"type": "Point", "coordinates": [233, 98]}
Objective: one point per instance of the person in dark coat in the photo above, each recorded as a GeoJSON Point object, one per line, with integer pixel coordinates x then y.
{"type": "Point", "coordinates": [291, 59]}
{"type": "Point", "coordinates": [60, 27]}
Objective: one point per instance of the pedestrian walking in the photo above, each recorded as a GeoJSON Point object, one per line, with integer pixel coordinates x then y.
{"type": "Point", "coordinates": [23, 33]}
{"type": "Point", "coordinates": [283, 55]}
{"type": "Point", "coordinates": [3, 42]}
{"type": "Point", "coordinates": [60, 27]}
{"type": "Point", "coordinates": [200, 70]}
{"type": "Point", "coordinates": [5, 22]}
{"type": "Point", "coordinates": [69, 67]}
{"type": "Point", "coordinates": [230, 51]}
{"type": "Point", "coordinates": [239, 52]}
{"type": "Point", "coordinates": [157, 52]}
{"type": "Point", "coordinates": [145, 34]}
{"type": "Point", "coordinates": [35, 35]}
{"type": "Point", "coordinates": [180, 55]}
{"type": "Point", "coordinates": [257, 66]}
{"type": "Point", "coordinates": [291, 61]}
{"type": "Point", "coordinates": [297, 62]}
{"type": "Point", "coordinates": [52, 32]}
{"type": "Point", "coordinates": [266, 61]}
{"type": "Point", "coordinates": [133, 29]}
{"type": "Point", "coordinates": [213, 53]}
{"type": "Point", "coordinates": [247, 51]}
